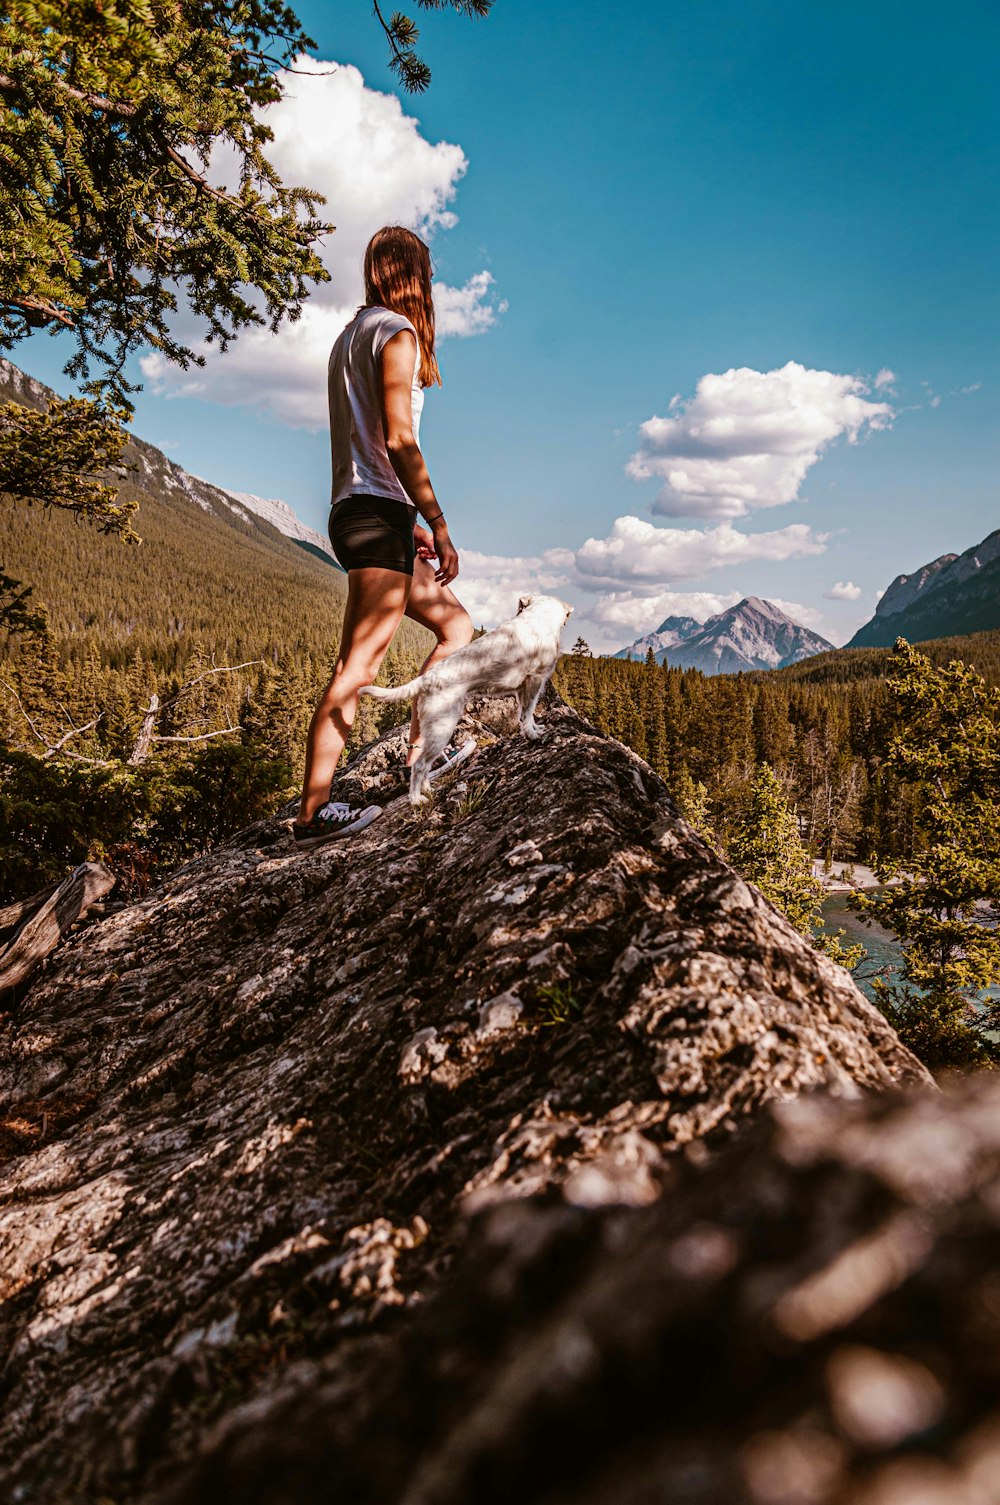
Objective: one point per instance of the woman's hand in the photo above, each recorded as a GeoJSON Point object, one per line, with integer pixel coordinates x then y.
{"type": "Point", "coordinates": [446, 553]}
{"type": "Point", "coordinates": [423, 541]}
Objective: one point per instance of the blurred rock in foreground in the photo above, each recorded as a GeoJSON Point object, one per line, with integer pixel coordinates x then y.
{"type": "Point", "coordinates": [813, 1317]}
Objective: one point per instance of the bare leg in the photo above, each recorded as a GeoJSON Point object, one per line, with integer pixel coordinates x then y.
{"type": "Point", "coordinates": [376, 600]}
{"type": "Point", "coordinates": [437, 607]}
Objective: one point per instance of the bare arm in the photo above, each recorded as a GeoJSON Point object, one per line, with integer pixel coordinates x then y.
{"type": "Point", "coordinates": [398, 359]}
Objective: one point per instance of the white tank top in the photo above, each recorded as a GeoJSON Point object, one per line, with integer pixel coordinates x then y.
{"type": "Point", "coordinates": [361, 465]}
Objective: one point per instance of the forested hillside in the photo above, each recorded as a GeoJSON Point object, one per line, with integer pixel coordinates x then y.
{"type": "Point", "coordinates": [824, 726]}
{"type": "Point", "coordinates": [849, 665]}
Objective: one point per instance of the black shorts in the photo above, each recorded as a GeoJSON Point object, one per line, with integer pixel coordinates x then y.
{"type": "Point", "coordinates": [373, 532]}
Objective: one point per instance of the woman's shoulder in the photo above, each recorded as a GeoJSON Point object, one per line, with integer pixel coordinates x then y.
{"type": "Point", "coordinates": [388, 318]}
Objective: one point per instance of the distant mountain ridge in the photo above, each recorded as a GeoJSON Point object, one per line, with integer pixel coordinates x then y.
{"type": "Point", "coordinates": [154, 475]}
{"type": "Point", "coordinates": [753, 634]}
{"type": "Point", "coordinates": [953, 595]}
{"type": "Point", "coordinates": [278, 513]}
{"type": "Point", "coordinates": [670, 634]}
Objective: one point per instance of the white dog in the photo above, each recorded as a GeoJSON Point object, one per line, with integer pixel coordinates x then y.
{"type": "Point", "coordinates": [518, 655]}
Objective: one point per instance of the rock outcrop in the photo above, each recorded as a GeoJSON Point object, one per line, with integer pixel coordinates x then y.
{"type": "Point", "coordinates": [245, 1118]}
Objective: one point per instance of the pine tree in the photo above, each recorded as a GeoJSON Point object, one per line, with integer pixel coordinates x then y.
{"type": "Point", "coordinates": [767, 849]}
{"type": "Point", "coordinates": [692, 801]}
{"type": "Point", "coordinates": [943, 899]}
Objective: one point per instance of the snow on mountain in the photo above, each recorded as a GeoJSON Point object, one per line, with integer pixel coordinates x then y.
{"type": "Point", "coordinates": [668, 635]}
{"type": "Point", "coordinates": [753, 634]}
{"type": "Point", "coordinates": [278, 513]}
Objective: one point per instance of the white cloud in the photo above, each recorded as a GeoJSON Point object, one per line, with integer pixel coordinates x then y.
{"type": "Point", "coordinates": [641, 614]}
{"type": "Point", "coordinates": [747, 438]}
{"type": "Point", "coordinates": [637, 554]}
{"type": "Point", "coordinates": [844, 590]}
{"type": "Point", "coordinates": [358, 148]}
{"type": "Point", "coordinates": [617, 583]}
{"type": "Point", "coordinates": [975, 387]}
{"type": "Point", "coordinates": [466, 310]}
{"type": "Point", "coordinates": [809, 616]}
{"type": "Point", "coordinates": [885, 380]}
{"type": "Point", "coordinates": [489, 584]}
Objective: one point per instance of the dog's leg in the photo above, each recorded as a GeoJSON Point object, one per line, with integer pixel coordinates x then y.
{"type": "Point", "coordinates": [529, 695]}
{"type": "Point", "coordinates": [418, 781]}
{"type": "Point", "coordinates": [439, 716]}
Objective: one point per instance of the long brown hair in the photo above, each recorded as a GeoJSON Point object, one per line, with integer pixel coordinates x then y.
{"type": "Point", "coordinates": [398, 276]}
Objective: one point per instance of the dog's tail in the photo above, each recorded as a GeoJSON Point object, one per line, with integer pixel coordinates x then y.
{"type": "Point", "coordinates": [399, 692]}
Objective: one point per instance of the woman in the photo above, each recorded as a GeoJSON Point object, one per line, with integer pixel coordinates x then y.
{"type": "Point", "coordinates": [378, 369]}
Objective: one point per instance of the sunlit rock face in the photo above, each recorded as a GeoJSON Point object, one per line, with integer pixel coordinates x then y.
{"type": "Point", "coordinates": [247, 1119]}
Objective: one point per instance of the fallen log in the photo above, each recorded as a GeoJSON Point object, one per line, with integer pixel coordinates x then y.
{"type": "Point", "coordinates": [46, 928]}
{"type": "Point", "coordinates": [13, 916]}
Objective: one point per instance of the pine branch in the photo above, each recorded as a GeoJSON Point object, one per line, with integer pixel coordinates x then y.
{"type": "Point", "coordinates": [35, 306]}
{"type": "Point", "coordinates": [54, 748]}
{"type": "Point", "coordinates": [202, 736]}
{"type": "Point", "coordinates": [253, 663]}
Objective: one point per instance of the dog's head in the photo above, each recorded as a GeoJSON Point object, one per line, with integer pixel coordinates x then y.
{"type": "Point", "coordinates": [548, 608]}
{"type": "Point", "coordinates": [548, 602]}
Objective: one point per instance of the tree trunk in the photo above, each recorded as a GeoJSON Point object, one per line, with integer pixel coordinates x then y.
{"type": "Point", "coordinates": [144, 737]}
{"type": "Point", "coordinates": [47, 926]}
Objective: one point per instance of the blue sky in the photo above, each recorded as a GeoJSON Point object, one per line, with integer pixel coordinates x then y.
{"type": "Point", "coordinates": [661, 195]}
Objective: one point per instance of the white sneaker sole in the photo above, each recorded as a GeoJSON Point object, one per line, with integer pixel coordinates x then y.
{"type": "Point", "coordinates": [465, 751]}
{"type": "Point", "coordinates": [365, 818]}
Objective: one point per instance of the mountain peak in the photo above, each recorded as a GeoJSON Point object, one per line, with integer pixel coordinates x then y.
{"type": "Point", "coordinates": [949, 596]}
{"type": "Point", "coordinates": [762, 607]}
{"type": "Point", "coordinates": [753, 634]}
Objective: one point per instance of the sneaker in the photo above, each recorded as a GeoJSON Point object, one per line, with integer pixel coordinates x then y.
{"type": "Point", "coordinates": [335, 819]}
{"type": "Point", "coordinates": [451, 757]}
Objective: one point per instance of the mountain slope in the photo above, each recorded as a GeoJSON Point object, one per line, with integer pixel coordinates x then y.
{"type": "Point", "coordinates": [953, 595]}
{"type": "Point", "coordinates": [281, 516]}
{"type": "Point", "coordinates": [670, 634]}
{"type": "Point", "coordinates": [852, 665]}
{"type": "Point", "coordinates": [753, 634]}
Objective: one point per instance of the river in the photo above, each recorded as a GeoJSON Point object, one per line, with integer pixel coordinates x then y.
{"type": "Point", "coordinates": [881, 945]}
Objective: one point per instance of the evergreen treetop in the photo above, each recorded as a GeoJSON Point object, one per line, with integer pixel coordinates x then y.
{"type": "Point", "coordinates": [943, 899]}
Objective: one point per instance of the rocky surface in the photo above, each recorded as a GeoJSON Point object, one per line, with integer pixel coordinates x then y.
{"type": "Point", "coordinates": [952, 595]}
{"type": "Point", "coordinates": [812, 1318]}
{"type": "Point", "coordinates": [245, 1119]}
